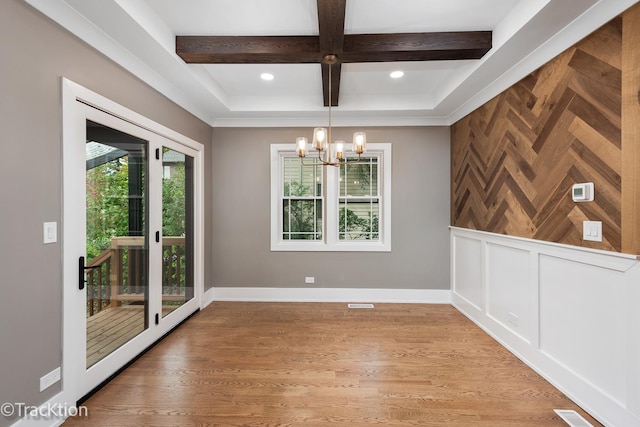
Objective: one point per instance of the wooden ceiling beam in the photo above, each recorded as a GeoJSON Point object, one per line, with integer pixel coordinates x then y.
{"type": "Point", "coordinates": [331, 25]}
{"type": "Point", "coordinates": [331, 15]}
{"type": "Point", "coordinates": [415, 46]}
{"type": "Point", "coordinates": [336, 72]}
{"type": "Point", "coordinates": [350, 48]}
{"type": "Point", "coordinates": [249, 49]}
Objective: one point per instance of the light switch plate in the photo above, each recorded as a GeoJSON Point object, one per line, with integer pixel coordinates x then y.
{"type": "Point", "coordinates": [50, 232]}
{"type": "Point", "coordinates": [592, 231]}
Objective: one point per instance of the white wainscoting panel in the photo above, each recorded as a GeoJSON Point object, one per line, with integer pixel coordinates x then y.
{"type": "Point", "coordinates": [633, 343]}
{"type": "Point", "coordinates": [467, 285]}
{"type": "Point", "coordinates": [571, 313]}
{"type": "Point", "coordinates": [508, 295]}
{"type": "Point", "coordinates": [581, 324]}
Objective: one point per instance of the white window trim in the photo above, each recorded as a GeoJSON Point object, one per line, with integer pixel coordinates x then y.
{"type": "Point", "coordinates": [330, 242]}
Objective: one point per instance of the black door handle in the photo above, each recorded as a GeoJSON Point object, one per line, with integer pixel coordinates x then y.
{"type": "Point", "coordinates": [81, 270]}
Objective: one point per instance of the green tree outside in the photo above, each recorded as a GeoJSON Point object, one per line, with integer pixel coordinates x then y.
{"type": "Point", "coordinates": [107, 204]}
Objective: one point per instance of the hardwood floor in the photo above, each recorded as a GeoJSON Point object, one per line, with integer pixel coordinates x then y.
{"type": "Point", "coordinates": [266, 364]}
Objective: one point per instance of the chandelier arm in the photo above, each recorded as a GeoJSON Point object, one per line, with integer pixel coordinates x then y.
{"type": "Point", "coordinates": [323, 162]}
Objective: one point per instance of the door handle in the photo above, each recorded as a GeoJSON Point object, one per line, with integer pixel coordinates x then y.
{"type": "Point", "coordinates": [81, 270]}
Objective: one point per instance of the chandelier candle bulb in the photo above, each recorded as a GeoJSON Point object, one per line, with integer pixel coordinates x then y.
{"type": "Point", "coordinates": [301, 144]}
{"type": "Point", "coordinates": [339, 150]}
{"type": "Point", "coordinates": [320, 139]}
{"type": "Point", "coordinates": [359, 142]}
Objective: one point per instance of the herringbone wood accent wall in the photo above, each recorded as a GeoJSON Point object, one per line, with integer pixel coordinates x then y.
{"type": "Point", "coordinates": [515, 159]}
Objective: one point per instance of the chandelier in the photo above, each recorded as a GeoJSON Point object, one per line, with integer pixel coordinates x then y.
{"type": "Point", "coordinates": [321, 141]}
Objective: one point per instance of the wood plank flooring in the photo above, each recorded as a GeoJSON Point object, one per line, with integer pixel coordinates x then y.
{"type": "Point", "coordinates": [311, 364]}
{"type": "Point", "coordinates": [111, 328]}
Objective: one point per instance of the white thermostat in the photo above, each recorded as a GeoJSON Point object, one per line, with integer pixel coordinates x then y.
{"type": "Point", "coordinates": [582, 192]}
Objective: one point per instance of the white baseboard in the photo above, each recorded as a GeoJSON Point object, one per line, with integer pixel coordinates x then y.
{"type": "Point", "coordinates": [418, 296]}
{"type": "Point", "coordinates": [51, 413]}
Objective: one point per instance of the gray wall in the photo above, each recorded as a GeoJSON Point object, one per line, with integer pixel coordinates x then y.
{"type": "Point", "coordinates": [35, 54]}
{"type": "Point", "coordinates": [420, 215]}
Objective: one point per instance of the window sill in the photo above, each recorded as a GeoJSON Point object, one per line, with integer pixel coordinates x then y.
{"type": "Point", "coordinates": [352, 246]}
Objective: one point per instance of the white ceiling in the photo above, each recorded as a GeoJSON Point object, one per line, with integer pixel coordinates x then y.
{"type": "Point", "coordinates": [140, 35]}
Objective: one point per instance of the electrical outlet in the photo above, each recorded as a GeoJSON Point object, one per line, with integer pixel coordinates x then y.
{"type": "Point", "coordinates": [309, 280]}
{"type": "Point", "coordinates": [50, 379]}
{"type": "Point", "coordinates": [514, 319]}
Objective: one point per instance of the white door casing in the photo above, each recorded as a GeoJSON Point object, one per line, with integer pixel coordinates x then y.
{"type": "Point", "coordinates": [80, 104]}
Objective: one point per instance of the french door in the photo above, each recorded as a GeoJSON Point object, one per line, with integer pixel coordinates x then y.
{"type": "Point", "coordinates": [131, 218]}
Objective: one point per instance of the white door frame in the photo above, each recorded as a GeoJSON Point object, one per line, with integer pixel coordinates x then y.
{"type": "Point", "coordinates": [74, 98]}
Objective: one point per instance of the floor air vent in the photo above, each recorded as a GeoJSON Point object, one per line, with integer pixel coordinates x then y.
{"type": "Point", "coordinates": [360, 305]}
{"type": "Point", "coordinates": [573, 418]}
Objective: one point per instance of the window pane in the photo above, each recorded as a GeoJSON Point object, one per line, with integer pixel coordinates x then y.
{"type": "Point", "coordinates": [177, 230]}
{"type": "Point", "coordinates": [358, 220]}
{"type": "Point", "coordinates": [302, 219]}
{"type": "Point", "coordinates": [300, 180]}
{"type": "Point", "coordinates": [302, 201]}
{"type": "Point", "coordinates": [116, 239]}
{"type": "Point", "coordinates": [359, 179]}
{"type": "Point", "coordinates": [358, 203]}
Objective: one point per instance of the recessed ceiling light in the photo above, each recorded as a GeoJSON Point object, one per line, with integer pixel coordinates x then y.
{"type": "Point", "coordinates": [266, 76]}
{"type": "Point", "coordinates": [396, 74]}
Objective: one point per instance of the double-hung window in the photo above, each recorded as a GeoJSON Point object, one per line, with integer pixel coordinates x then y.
{"type": "Point", "coordinates": [331, 208]}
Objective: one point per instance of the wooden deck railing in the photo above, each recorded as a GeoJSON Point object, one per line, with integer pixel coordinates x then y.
{"type": "Point", "coordinates": [120, 272]}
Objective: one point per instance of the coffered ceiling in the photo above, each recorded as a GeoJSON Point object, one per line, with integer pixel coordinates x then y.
{"type": "Point", "coordinates": [141, 36]}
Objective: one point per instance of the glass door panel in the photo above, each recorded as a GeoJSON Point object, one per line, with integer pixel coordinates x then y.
{"type": "Point", "coordinates": [177, 230]}
{"type": "Point", "coordinates": [116, 240]}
